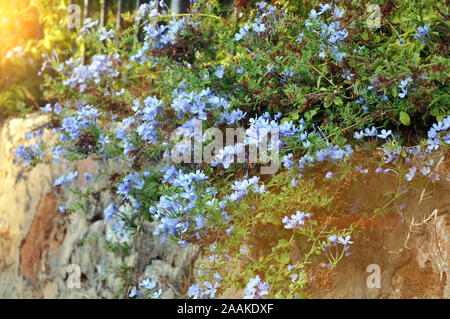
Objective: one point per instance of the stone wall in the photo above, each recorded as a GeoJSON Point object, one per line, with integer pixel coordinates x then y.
{"type": "Point", "coordinates": [38, 242]}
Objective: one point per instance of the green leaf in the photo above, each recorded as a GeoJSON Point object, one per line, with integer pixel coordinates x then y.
{"type": "Point", "coordinates": [394, 92]}
{"type": "Point", "coordinates": [283, 243]}
{"type": "Point", "coordinates": [404, 118]}
{"type": "Point", "coordinates": [403, 153]}
{"type": "Point", "coordinates": [309, 114]}
{"type": "Point", "coordinates": [338, 101]}
{"type": "Point", "coordinates": [434, 111]}
{"type": "Point", "coordinates": [318, 82]}
{"type": "Point", "coordinates": [272, 219]}
{"type": "Point", "coordinates": [327, 101]}
{"type": "Point", "coordinates": [365, 36]}
{"type": "Point", "coordinates": [285, 259]}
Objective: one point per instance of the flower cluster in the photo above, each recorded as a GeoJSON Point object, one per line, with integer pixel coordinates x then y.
{"type": "Point", "coordinates": [147, 124]}
{"type": "Point", "coordinates": [196, 105]}
{"type": "Point", "coordinates": [266, 19]}
{"type": "Point", "coordinates": [296, 220]}
{"type": "Point", "coordinates": [28, 154]}
{"type": "Point", "coordinates": [156, 35]}
{"type": "Point", "coordinates": [404, 87]}
{"type": "Point", "coordinates": [336, 248]}
{"type": "Point", "coordinates": [332, 35]}
{"type": "Point", "coordinates": [208, 290]}
{"type": "Point", "coordinates": [64, 180]}
{"type": "Point", "coordinates": [373, 132]}
{"type": "Point", "coordinates": [85, 117]}
{"type": "Point", "coordinates": [256, 289]}
{"type": "Point", "coordinates": [31, 154]}
{"type": "Point", "coordinates": [178, 213]}
{"type": "Point", "coordinates": [242, 187]}
{"type": "Point", "coordinates": [150, 10]}
{"type": "Point", "coordinates": [149, 287]}
{"type": "Point", "coordinates": [423, 33]}
{"type": "Point", "coordinates": [81, 76]}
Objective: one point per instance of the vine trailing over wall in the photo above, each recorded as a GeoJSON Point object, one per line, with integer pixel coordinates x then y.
{"type": "Point", "coordinates": [346, 99]}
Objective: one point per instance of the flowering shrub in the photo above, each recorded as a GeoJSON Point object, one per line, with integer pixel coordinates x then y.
{"type": "Point", "coordinates": [336, 91]}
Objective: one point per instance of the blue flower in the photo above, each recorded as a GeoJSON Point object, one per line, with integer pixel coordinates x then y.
{"type": "Point", "coordinates": [109, 212]}
{"type": "Point", "coordinates": [183, 243]}
{"type": "Point", "coordinates": [338, 13]}
{"type": "Point", "coordinates": [134, 292]}
{"type": "Point", "coordinates": [404, 87]}
{"type": "Point", "coordinates": [362, 171]}
{"type": "Point", "coordinates": [324, 8]}
{"type": "Point", "coordinates": [148, 284]}
{"type": "Point", "coordinates": [210, 289]}
{"type": "Point", "coordinates": [296, 220]}
{"type": "Point", "coordinates": [218, 277]}
{"type": "Point", "coordinates": [359, 135]}
{"type": "Point", "coordinates": [299, 38]}
{"type": "Point", "coordinates": [258, 27]}
{"type": "Point", "coordinates": [255, 289]}
{"type": "Point", "coordinates": [294, 277]}
{"type": "Point", "coordinates": [294, 182]}
{"type": "Point", "coordinates": [200, 222]}
{"type": "Point", "coordinates": [425, 170]}
{"type": "Point", "coordinates": [344, 241]}
{"type": "Point", "coordinates": [433, 144]}
{"type": "Point", "coordinates": [411, 173]}
{"type": "Point", "coordinates": [47, 108]}
{"type": "Point", "coordinates": [384, 134]}
{"type": "Point", "coordinates": [288, 161]}
{"type": "Point", "coordinates": [64, 180]}
{"type": "Point", "coordinates": [371, 132]}
{"type": "Point", "coordinates": [220, 71]}
{"type": "Point", "coordinates": [423, 32]}
{"type": "Point", "coordinates": [313, 14]}
{"type": "Point", "coordinates": [261, 5]}
{"type": "Point", "coordinates": [123, 189]}
{"type": "Point", "coordinates": [195, 291]}
{"type": "Point", "coordinates": [103, 139]}
{"type": "Point", "coordinates": [71, 126]}
{"type": "Point", "coordinates": [233, 117]}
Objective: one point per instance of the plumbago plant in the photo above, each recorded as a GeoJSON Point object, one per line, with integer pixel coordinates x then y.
{"type": "Point", "coordinates": [335, 90]}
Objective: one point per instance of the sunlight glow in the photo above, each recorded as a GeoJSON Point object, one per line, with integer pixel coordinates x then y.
{"type": "Point", "coordinates": [18, 23]}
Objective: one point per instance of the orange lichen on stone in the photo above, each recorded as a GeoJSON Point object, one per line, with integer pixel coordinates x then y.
{"type": "Point", "coordinates": [45, 236]}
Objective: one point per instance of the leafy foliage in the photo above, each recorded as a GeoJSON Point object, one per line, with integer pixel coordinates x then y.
{"type": "Point", "coordinates": [334, 83]}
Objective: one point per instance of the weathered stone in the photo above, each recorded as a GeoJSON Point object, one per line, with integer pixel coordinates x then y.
{"type": "Point", "coordinates": [38, 242]}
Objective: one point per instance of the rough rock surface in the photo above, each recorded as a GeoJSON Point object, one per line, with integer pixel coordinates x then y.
{"type": "Point", "coordinates": [38, 244]}
{"type": "Point", "coordinates": [412, 251]}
